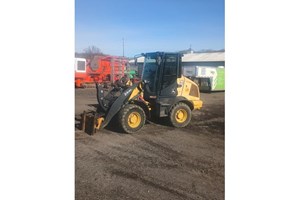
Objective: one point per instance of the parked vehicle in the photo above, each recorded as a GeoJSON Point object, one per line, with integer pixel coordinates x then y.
{"type": "Point", "coordinates": [162, 92]}
{"type": "Point", "coordinates": [101, 69]}
{"type": "Point", "coordinates": [208, 78]}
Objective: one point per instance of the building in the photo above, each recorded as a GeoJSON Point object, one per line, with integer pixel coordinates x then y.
{"type": "Point", "coordinates": [213, 59]}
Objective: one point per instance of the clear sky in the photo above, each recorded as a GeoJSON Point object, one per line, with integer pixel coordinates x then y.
{"type": "Point", "coordinates": [148, 25]}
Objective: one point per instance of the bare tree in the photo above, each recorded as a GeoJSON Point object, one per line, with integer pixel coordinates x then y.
{"type": "Point", "coordinates": [92, 50]}
{"type": "Point", "coordinates": [89, 52]}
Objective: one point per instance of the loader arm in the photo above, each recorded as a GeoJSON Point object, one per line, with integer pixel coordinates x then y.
{"type": "Point", "coordinates": [118, 104]}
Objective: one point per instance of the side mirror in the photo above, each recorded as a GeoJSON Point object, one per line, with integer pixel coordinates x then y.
{"type": "Point", "coordinates": [146, 81]}
{"type": "Point", "coordinates": [135, 61]}
{"type": "Point", "coordinates": [136, 58]}
{"type": "Point", "coordinates": [158, 60]}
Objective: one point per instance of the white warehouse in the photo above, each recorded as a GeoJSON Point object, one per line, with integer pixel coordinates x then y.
{"type": "Point", "coordinates": [213, 59]}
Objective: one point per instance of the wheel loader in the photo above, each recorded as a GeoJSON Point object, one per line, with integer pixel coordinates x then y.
{"type": "Point", "coordinates": [162, 92]}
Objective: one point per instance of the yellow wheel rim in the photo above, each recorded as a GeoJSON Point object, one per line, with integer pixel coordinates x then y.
{"type": "Point", "coordinates": [181, 115]}
{"type": "Point", "coordinates": [134, 119]}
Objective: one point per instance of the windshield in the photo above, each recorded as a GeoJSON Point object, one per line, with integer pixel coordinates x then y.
{"type": "Point", "coordinates": [150, 70]}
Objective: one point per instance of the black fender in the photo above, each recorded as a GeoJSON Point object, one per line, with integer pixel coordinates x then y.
{"type": "Point", "coordinates": [164, 105]}
{"type": "Point", "coordinates": [144, 106]}
{"type": "Point", "coordinates": [184, 100]}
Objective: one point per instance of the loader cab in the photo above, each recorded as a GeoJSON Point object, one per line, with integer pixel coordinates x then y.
{"type": "Point", "coordinates": [160, 73]}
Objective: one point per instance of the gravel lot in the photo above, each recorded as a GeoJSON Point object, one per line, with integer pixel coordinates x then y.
{"type": "Point", "coordinates": [158, 162]}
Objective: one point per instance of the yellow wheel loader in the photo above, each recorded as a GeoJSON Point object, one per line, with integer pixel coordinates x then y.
{"type": "Point", "coordinates": [162, 92]}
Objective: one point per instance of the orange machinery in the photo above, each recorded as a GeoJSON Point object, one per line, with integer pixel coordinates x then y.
{"type": "Point", "coordinates": [101, 69]}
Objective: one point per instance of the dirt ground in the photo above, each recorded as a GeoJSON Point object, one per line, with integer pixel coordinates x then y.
{"type": "Point", "coordinates": [158, 162]}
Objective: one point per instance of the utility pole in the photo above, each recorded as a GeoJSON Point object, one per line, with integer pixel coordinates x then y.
{"type": "Point", "coordinates": [123, 47]}
{"type": "Point", "coordinates": [191, 51]}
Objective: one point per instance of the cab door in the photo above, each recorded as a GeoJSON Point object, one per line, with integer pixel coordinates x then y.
{"type": "Point", "coordinates": [170, 71]}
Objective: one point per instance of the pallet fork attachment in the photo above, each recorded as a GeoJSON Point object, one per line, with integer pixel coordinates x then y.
{"type": "Point", "coordinates": [90, 123]}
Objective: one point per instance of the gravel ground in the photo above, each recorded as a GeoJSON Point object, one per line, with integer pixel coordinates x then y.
{"type": "Point", "coordinates": [158, 162]}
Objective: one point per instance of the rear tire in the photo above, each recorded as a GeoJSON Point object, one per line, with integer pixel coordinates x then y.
{"type": "Point", "coordinates": [131, 118]}
{"type": "Point", "coordinates": [180, 115]}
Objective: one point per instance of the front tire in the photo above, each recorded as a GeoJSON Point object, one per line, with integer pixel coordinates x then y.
{"type": "Point", "coordinates": [180, 115]}
{"type": "Point", "coordinates": [131, 118]}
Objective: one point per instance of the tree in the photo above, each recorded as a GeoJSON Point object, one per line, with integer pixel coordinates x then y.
{"type": "Point", "coordinates": [92, 50]}
{"type": "Point", "coordinates": [89, 52]}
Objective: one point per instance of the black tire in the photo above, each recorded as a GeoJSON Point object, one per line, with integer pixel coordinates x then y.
{"type": "Point", "coordinates": [180, 115]}
{"type": "Point", "coordinates": [134, 112]}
